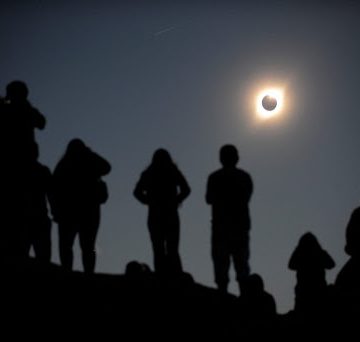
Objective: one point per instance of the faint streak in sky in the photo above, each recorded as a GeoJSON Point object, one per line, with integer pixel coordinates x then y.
{"type": "Point", "coordinates": [166, 30]}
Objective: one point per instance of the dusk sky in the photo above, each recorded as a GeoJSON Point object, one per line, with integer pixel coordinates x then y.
{"type": "Point", "coordinates": [130, 77]}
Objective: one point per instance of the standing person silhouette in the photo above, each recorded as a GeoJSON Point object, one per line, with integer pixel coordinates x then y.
{"type": "Point", "coordinates": [76, 196]}
{"type": "Point", "coordinates": [228, 191]}
{"type": "Point", "coordinates": [19, 121]}
{"type": "Point", "coordinates": [34, 201]}
{"type": "Point", "coordinates": [162, 187]}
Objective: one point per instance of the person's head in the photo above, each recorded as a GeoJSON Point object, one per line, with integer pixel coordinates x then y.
{"type": "Point", "coordinates": [17, 91]}
{"type": "Point", "coordinates": [136, 269]}
{"type": "Point", "coordinates": [161, 158]}
{"type": "Point", "coordinates": [133, 268]}
{"type": "Point", "coordinates": [229, 156]}
{"type": "Point", "coordinates": [309, 241]}
{"type": "Point", "coordinates": [352, 246]}
{"type": "Point", "coordinates": [254, 284]}
{"type": "Point", "coordinates": [75, 147]}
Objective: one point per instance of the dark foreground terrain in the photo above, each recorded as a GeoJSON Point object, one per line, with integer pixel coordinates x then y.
{"type": "Point", "coordinates": [41, 302]}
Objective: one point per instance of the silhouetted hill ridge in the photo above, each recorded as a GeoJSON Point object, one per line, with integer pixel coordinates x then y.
{"type": "Point", "coordinates": [38, 298]}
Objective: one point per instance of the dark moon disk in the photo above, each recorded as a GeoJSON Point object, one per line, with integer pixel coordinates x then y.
{"type": "Point", "coordinates": [269, 103]}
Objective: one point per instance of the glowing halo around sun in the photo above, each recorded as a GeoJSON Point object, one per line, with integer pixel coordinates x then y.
{"type": "Point", "coordinates": [273, 99]}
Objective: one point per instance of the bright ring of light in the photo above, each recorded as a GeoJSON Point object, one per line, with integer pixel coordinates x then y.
{"type": "Point", "coordinates": [278, 95]}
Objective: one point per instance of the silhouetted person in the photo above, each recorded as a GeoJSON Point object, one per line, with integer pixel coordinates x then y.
{"type": "Point", "coordinates": [34, 202]}
{"type": "Point", "coordinates": [137, 271]}
{"type": "Point", "coordinates": [347, 283]}
{"type": "Point", "coordinates": [348, 279]}
{"type": "Point", "coordinates": [77, 194]}
{"type": "Point", "coordinates": [352, 246]}
{"type": "Point", "coordinates": [162, 187]}
{"type": "Point", "coordinates": [310, 261]}
{"type": "Point", "coordinates": [19, 121]}
{"type": "Point", "coordinates": [255, 302]}
{"type": "Point", "coordinates": [229, 190]}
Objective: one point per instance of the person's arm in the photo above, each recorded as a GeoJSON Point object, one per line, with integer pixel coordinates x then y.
{"type": "Point", "coordinates": [140, 191]}
{"type": "Point", "coordinates": [51, 196]}
{"type": "Point", "coordinates": [329, 262]}
{"type": "Point", "coordinates": [99, 165]}
{"type": "Point", "coordinates": [184, 189]}
{"type": "Point", "coordinates": [294, 261]}
{"type": "Point", "coordinates": [38, 119]}
{"type": "Point", "coordinates": [209, 196]}
{"type": "Point", "coordinates": [250, 188]}
{"type": "Point", "coordinates": [47, 187]}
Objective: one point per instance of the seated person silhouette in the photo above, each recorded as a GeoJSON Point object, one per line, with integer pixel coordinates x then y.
{"type": "Point", "coordinates": [162, 187]}
{"type": "Point", "coordinates": [137, 271]}
{"type": "Point", "coordinates": [77, 193]}
{"type": "Point", "coordinates": [310, 261]}
{"type": "Point", "coordinates": [255, 302]}
{"type": "Point", "coordinates": [228, 191]}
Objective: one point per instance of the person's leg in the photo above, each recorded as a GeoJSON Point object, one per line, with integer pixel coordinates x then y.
{"type": "Point", "coordinates": [67, 233]}
{"type": "Point", "coordinates": [42, 241]}
{"type": "Point", "coordinates": [156, 231]}
{"type": "Point", "coordinates": [240, 255]}
{"type": "Point", "coordinates": [87, 238]}
{"type": "Point", "coordinates": [28, 240]}
{"type": "Point", "coordinates": [172, 244]}
{"type": "Point", "coordinates": [221, 261]}
{"type": "Point", "coordinates": [158, 246]}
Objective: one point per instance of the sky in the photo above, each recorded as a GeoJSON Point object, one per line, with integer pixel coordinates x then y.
{"type": "Point", "coordinates": [130, 77]}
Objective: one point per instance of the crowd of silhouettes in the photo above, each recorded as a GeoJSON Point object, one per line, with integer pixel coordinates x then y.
{"type": "Point", "coordinates": [72, 196]}
{"type": "Point", "coordinates": [24, 181]}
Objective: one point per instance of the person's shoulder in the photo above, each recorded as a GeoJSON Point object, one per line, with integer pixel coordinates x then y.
{"type": "Point", "coordinates": [145, 175]}
{"type": "Point", "coordinates": [215, 175]}
{"type": "Point", "coordinates": [178, 173]}
{"type": "Point", "coordinates": [33, 109]}
{"type": "Point", "coordinates": [36, 115]}
{"type": "Point", "coordinates": [356, 212]}
{"type": "Point", "coordinates": [45, 170]}
{"type": "Point", "coordinates": [28, 108]}
{"type": "Point", "coordinates": [243, 173]}
{"type": "Point", "coordinates": [62, 167]}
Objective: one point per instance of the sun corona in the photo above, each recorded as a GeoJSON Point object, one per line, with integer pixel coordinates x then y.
{"type": "Point", "coordinates": [269, 103]}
